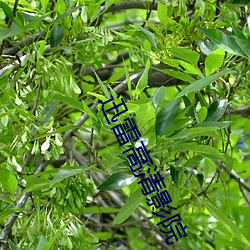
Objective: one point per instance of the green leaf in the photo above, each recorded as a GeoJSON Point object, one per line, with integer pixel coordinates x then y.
{"type": "Point", "coordinates": [68, 12]}
{"type": "Point", "coordinates": [36, 21]}
{"type": "Point", "coordinates": [216, 110]}
{"type": "Point", "coordinates": [186, 54]}
{"type": "Point", "coordinates": [117, 181]}
{"type": "Point", "coordinates": [244, 45]}
{"type": "Point", "coordinates": [162, 12]}
{"type": "Point", "coordinates": [238, 33]}
{"type": "Point", "coordinates": [41, 243]}
{"type": "Point", "coordinates": [166, 117]}
{"type": "Point", "coordinates": [158, 97]}
{"type": "Point", "coordinates": [8, 180]}
{"type": "Point", "coordinates": [129, 207]}
{"type": "Point", "coordinates": [147, 35]}
{"type": "Point", "coordinates": [219, 125]}
{"type": "Point", "coordinates": [49, 110]}
{"type": "Point", "coordinates": [98, 210]}
{"type": "Point", "coordinates": [202, 114]}
{"type": "Point", "coordinates": [204, 150]}
{"type": "Point", "coordinates": [197, 85]}
{"type": "Point", "coordinates": [13, 246]}
{"type": "Point", "coordinates": [9, 211]}
{"type": "Point", "coordinates": [56, 35]}
{"type": "Point", "coordinates": [194, 161]}
{"type": "Point", "coordinates": [143, 81]}
{"type": "Point", "coordinates": [66, 172]}
{"type": "Point", "coordinates": [7, 10]}
{"type": "Point", "coordinates": [177, 74]}
{"type": "Point", "coordinates": [44, 3]}
{"type": "Point", "coordinates": [214, 61]}
{"type": "Point", "coordinates": [193, 132]}
{"type": "Point", "coordinates": [34, 183]}
{"type": "Point", "coordinates": [228, 224]}
{"type": "Point", "coordinates": [49, 244]}
{"type": "Point", "coordinates": [189, 68]}
{"type": "Point", "coordinates": [70, 101]}
{"type": "Point", "coordinates": [223, 41]}
{"type": "Point", "coordinates": [9, 32]}
{"type": "Point", "coordinates": [198, 175]}
{"type": "Point", "coordinates": [104, 89]}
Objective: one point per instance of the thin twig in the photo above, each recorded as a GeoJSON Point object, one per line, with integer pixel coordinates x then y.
{"type": "Point", "coordinates": [244, 195]}
{"type": "Point", "coordinates": [235, 176]}
{"type": "Point", "coordinates": [148, 14]}
{"type": "Point", "coordinates": [37, 97]}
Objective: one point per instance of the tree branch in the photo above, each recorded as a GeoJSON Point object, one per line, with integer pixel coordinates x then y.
{"type": "Point", "coordinates": [235, 176]}
{"type": "Point", "coordinates": [21, 44]}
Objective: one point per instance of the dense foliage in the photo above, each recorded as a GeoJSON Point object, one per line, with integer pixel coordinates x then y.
{"type": "Point", "coordinates": [182, 68]}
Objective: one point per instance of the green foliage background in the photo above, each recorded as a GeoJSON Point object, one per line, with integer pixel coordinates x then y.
{"type": "Point", "coordinates": [183, 69]}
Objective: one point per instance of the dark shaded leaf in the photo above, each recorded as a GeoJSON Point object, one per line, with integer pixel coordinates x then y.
{"type": "Point", "coordinates": [7, 10]}
{"type": "Point", "coordinates": [245, 2]}
{"type": "Point", "coordinates": [56, 35]}
{"type": "Point", "coordinates": [117, 181]}
{"type": "Point", "coordinates": [198, 175]}
{"type": "Point", "coordinates": [216, 110]}
{"type": "Point", "coordinates": [166, 117]}
{"type": "Point", "coordinates": [174, 172]}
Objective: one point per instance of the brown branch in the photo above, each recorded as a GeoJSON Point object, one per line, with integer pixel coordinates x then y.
{"type": "Point", "coordinates": [235, 176]}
